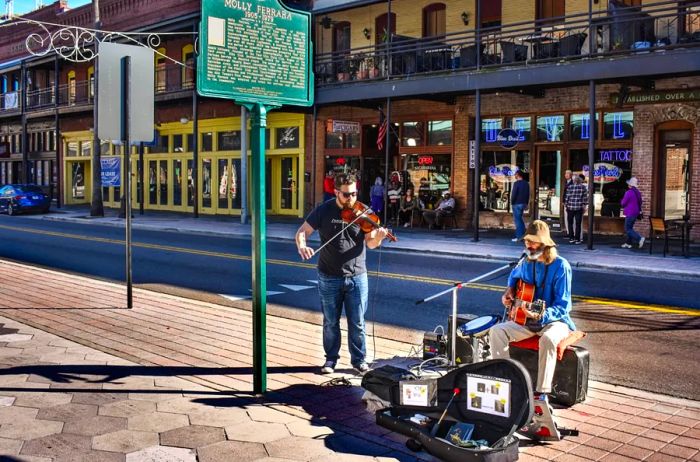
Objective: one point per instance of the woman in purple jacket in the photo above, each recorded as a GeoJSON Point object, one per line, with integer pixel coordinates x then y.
{"type": "Point", "coordinates": [632, 207]}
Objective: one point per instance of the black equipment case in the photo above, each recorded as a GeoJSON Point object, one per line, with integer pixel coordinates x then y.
{"type": "Point", "coordinates": [570, 383]}
{"type": "Point", "coordinates": [494, 396]}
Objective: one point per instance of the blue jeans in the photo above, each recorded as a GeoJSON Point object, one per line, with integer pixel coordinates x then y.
{"type": "Point", "coordinates": [633, 236]}
{"type": "Point", "coordinates": [518, 210]}
{"type": "Point", "coordinates": [352, 292]}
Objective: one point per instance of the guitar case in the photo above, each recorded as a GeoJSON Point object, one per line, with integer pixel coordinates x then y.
{"type": "Point", "coordinates": [492, 399]}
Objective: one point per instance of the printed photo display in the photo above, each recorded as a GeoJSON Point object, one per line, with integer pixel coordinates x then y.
{"type": "Point", "coordinates": [418, 392]}
{"type": "Point", "coordinates": [488, 395]}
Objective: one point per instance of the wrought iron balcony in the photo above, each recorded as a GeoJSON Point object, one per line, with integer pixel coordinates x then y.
{"type": "Point", "coordinates": [653, 27]}
{"type": "Point", "coordinates": [172, 77]}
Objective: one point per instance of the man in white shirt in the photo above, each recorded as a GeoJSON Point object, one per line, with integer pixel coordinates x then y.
{"type": "Point", "coordinates": [445, 207]}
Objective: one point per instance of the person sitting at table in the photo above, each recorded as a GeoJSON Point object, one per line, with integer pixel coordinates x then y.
{"type": "Point", "coordinates": [407, 205]}
{"type": "Point", "coordinates": [445, 207]}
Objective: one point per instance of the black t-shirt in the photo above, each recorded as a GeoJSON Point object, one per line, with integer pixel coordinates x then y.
{"type": "Point", "coordinates": [345, 255]}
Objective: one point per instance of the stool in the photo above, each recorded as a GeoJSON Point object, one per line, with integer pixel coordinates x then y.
{"type": "Point", "coordinates": [570, 382]}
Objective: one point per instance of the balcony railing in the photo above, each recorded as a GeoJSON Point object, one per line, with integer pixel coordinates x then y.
{"type": "Point", "coordinates": [618, 31]}
{"type": "Point", "coordinates": [173, 77]}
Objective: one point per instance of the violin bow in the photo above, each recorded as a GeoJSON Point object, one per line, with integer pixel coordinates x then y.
{"type": "Point", "coordinates": [359, 215]}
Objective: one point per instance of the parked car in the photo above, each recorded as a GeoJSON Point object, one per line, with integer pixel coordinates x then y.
{"type": "Point", "coordinates": [18, 198]}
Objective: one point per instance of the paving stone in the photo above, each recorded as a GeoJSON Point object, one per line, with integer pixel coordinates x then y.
{"type": "Point", "coordinates": [265, 414]}
{"type": "Point", "coordinates": [30, 429]}
{"type": "Point", "coordinates": [127, 408]}
{"type": "Point", "coordinates": [98, 398]}
{"type": "Point", "coordinates": [35, 459]}
{"type": "Point", "coordinates": [9, 414]}
{"type": "Point", "coordinates": [182, 406]}
{"type": "Point", "coordinates": [162, 454]}
{"type": "Point", "coordinates": [8, 379]}
{"type": "Point", "coordinates": [257, 432]}
{"type": "Point", "coordinates": [308, 429]}
{"type": "Point", "coordinates": [97, 425]}
{"type": "Point", "coordinates": [297, 448]}
{"type": "Point", "coordinates": [9, 446]}
{"type": "Point", "coordinates": [64, 444]}
{"type": "Point", "coordinates": [41, 399]}
{"type": "Point", "coordinates": [92, 456]}
{"type": "Point", "coordinates": [156, 396]}
{"type": "Point", "coordinates": [219, 417]}
{"type": "Point", "coordinates": [679, 451]}
{"type": "Point", "coordinates": [157, 422]}
{"type": "Point", "coordinates": [173, 382]}
{"type": "Point", "coordinates": [9, 338]}
{"type": "Point", "coordinates": [231, 450]}
{"type": "Point", "coordinates": [66, 412]}
{"type": "Point", "coordinates": [7, 401]}
{"type": "Point", "coordinates": [124, 441]}
{"type": "Point", "coordinates": [194, 436]}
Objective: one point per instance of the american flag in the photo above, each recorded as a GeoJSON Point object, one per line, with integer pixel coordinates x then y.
{"type": "Point", "coordinates": [381, 133]}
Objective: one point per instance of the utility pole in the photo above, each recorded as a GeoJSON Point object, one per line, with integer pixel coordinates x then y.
{"type": "Point", "coordinates": [96, 205]}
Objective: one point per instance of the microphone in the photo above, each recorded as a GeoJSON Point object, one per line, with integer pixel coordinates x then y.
{"type": "Point", "coordinates": [520, 259]}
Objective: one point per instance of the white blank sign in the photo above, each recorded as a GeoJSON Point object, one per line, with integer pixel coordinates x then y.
{"type": "Point", "coordinates": [109, 92]}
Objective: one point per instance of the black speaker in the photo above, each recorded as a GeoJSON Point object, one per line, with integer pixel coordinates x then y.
{"type": "Point", "coordinates": [463, 349]}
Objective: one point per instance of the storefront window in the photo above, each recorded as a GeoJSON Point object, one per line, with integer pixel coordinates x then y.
{"type": "Point", "coordinates": [229, 141]}
{"type": "Point", "coordinates": [177, 143]}
{"type": "Point", "coordinates": [334, 141]}
{"type": "Point", "coordinates": [72, 149]}
{"type": "Point", "coordinates": [497, 175]}
{"type": "Point", "coordinates": [612, 168]}
{"type": "Point", "coordinates": [618, 125]}
{"type": "Point", "coordinates": [86, 148]}
{"type": "Point", "coordinates": [162, 145]}
{"type": "Point", "coordinates": [430, 175]}
{"type": "Point", "coordinates": [440, 132]}
{"type": "Point", "coordinates": [190, 142]}
{"type": "Point", "coordinates": [342, 164]}
{"type": "Point", "coordinates": [490, 129]}
{"type": "Point", "coordinates": [523, 126]}
{"type": "Point", "coordinates": [412, 134]}
{"type": "Point", "coordinates": [580, 127]}
{"type": "Point", "coordinates": [206, 142]}
{"type": "Point", "coordinates": [550, 128]}
{"type": "Point", "coordinates": [287, 137]}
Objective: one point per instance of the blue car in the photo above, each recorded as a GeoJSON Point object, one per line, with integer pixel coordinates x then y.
{"type": "Point", "coordinates": [18, 198]}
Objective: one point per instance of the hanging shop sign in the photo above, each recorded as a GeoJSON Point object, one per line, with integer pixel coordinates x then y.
{"type": "Point", "coordinates": [111, 171]}
{"type": "Point", "coordinates": [654, 97]}
{"type": "Point", "coordinates": [342, 126]}
{"type": "Point", "coordinates": [616, 155]}
{"type": "Point", "coordinates": [508, 138]}
{"type": "Point", "coordinates": [503, 173]}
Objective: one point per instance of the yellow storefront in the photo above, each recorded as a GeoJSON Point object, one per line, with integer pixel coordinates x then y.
{"type": "Point", "coordinates": [168, 178]}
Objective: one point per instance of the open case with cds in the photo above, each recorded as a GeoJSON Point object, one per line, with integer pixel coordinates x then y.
{"type": "Point", "coordinates": [471, 413]}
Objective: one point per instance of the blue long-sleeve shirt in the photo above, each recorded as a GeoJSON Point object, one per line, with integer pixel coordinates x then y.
{"type": "Point", "coordinates": [520, 194]}
{"type": "Point", "coordinates": [553, 285]}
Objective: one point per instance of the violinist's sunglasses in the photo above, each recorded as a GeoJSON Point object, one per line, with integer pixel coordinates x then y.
{"type": "Point", "coordinates": [347, 195]}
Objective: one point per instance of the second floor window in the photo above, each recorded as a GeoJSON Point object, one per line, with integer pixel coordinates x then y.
{"type": "Point", "coordinates": [549, 10]}
{"type": "Point", "coordinates": [434, 20]}
{"type": "Point", "coordinates": [491, 13]}
{"type": "Point", "coordinates": [341, 36]}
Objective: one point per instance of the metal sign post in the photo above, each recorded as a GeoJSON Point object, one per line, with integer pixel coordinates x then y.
{"type": "Point", "coordinates": [257, 53]}
{"type": "Point", "coordinates": [121, 120]}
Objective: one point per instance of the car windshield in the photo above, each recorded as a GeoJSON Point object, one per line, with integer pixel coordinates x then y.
{"type": "Point", "coordinates": [29, 189]}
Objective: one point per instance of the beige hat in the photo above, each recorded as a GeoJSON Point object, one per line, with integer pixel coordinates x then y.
{"type": "Point", "coordinates": [538, 231]}
{"type": "Point", "coordinates": [633, 181]}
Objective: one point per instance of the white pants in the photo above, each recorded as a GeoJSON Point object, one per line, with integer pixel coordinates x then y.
{"type": "Point", "coordinates": [502, 334]}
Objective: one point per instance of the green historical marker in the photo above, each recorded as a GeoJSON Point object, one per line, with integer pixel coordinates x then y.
{"type": "Point", "coordinates": [257, 53]}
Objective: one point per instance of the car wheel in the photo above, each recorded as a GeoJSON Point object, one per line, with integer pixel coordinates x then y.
{"type": "Point", "coordinates": [11, 210]}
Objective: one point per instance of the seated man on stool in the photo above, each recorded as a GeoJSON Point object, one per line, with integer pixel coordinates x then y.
{"type": "Point", "coordinates": [551, 275]}
{"type": "Point", "coordinates": [445, 207]}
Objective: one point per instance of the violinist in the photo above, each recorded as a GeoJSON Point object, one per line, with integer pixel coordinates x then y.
{"type": "Point", "coordinates": [342, 274]}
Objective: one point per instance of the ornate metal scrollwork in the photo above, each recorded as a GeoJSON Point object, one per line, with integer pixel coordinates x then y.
{"type": "Point", "coordinates": [79, 44]}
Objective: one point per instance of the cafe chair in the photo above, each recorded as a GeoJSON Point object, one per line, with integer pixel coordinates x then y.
{"type": "Point", "coordinates": [661, 228]}
{"type": "Point", "coordinates": [570, 45]}
{"type": "Point", "coordinates": [513, 53]}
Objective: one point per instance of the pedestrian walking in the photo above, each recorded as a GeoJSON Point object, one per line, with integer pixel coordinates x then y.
{"type": "Point", "coordinates": [376, 196]}
{"type": "Point", "coordinates": [576, 201]}
{"type": "Point", "coordinates": [519, 199]}
{"type": "Point", "coordinates": [632, 208]}
{"type": "Point", "coordinates": [568, 181]}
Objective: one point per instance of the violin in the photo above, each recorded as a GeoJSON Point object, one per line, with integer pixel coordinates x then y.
{"type": "Point", "coordinates": [364, 217]}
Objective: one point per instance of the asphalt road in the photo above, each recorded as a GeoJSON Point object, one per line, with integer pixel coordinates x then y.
{"type": "Point", "coordinates": [636, 336]}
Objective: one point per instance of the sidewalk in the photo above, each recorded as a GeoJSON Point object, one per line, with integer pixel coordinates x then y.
{"type": "Point", "coordinates": [494, 244]}
{"type": "Point", "coordinates": [84, 379]}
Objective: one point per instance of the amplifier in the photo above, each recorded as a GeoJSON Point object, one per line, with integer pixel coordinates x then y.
{"type": "Point", "coordinates": [434, 344]}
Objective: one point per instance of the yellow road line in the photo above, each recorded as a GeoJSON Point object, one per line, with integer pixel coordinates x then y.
{"type": "Point", "coordinates": [425, 279]}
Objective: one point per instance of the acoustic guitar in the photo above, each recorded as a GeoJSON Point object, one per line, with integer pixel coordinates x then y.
{"type": "Point", "coordinates": [524, 300]}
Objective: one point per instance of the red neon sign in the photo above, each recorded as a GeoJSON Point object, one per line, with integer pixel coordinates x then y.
{"type": "Point", "coordinates": [425, 160]}
{"type": "Point", "coordinates": [340, 161]}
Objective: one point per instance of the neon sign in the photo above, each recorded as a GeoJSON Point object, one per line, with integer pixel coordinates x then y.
{"type": "Point", "coordinates": [340, 161]}
{"type": "Point", "coordinates": [606, 173]}
{"type": "Point", "coordinates": [618, 132]}
{"type": "Point", "coordinates": [425, 160]}
{"type": "Point", "coordinates": [586, 127]}
{"type": "Point", "coordinates": [621, 155]}
{"type": "Point", "coordinates": [491, 127]}
{"type": "Point", "coordinates": [503, 173]}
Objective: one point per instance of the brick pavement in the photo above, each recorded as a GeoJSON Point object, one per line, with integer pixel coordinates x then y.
{"type": "Point", "coordinates": [83, 378]}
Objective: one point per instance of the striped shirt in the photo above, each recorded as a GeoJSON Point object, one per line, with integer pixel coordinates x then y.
{"type": "Point", "coordinates": [576, 196]}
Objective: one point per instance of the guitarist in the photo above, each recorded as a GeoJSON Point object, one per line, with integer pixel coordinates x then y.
{"type": "Point", "coordinates": [551, 276]}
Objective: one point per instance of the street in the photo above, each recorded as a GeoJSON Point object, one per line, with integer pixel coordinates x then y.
{"type": "Point", "coordinates": [641, 330]}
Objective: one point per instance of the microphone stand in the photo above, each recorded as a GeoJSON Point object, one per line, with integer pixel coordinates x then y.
{"type": "Point", "coordinates": [461, 285]}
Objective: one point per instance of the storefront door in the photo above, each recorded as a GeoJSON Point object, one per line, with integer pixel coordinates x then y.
{"type": "Point", "coordinates": [675, 163]}
{"type": "Point", "coordinates": [78, 175]}
{"type": "Point", "coordinates": [547, 185]}
{"type": "Point", "coordinates": [157, 181]}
